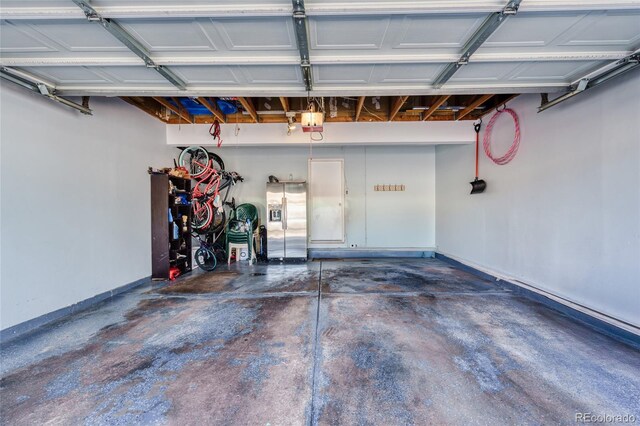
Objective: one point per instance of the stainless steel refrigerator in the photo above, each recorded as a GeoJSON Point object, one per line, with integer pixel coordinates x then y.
{"type": "Point", "coordinates": [287, 220]}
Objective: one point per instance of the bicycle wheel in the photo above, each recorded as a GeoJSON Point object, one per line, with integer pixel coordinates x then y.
{"type": "Point", "coordinates": [196, 160]}
{"type": "Point", "coordinates": [219, 220]}
{"type": "Point", "coordinates": [220, 252]}
{"type": "Point", "coordinates": [201, 216]}
{"type": "Point", "coordinates": [216, 161]}
{"type": "Point", "coordinates": [206, 259]}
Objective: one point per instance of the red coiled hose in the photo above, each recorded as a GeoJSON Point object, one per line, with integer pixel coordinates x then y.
{"type": "Point", "coordinates": [486, 143]}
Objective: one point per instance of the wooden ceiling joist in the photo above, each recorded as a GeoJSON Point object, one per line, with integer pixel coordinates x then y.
{"type": "Point", "coordinates": [499, 103]}
{"type": "Point", "coordinates": [386, 108]}
{"type": "Point", "coordinates": [212, 109]}
{"type": "Point", "coordinates": [400, 100]}
{"type": "Point", "coordinates": [180, 112]}
{"type": "Point", "coordinates": [434, 107]}
{"type": "Point", "coordinates": [248, 106]}
{"type": "Point", "coordinates": [285, 103]}
{"type": "Point", "coordinates": [359, 106]}
{"type": "Point", "coordinates": [471, 107]}
{"type": "Point", "coordinates": [139, 103]}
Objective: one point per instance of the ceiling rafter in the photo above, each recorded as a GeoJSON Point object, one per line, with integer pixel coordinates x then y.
{"type": "Point", "coordinates": [130, 42]}
{"type": "Point", "coordinates": [212, 109]}
{"type": "Point", "coordinates": [498, 103]}
{"type": "Point", "coordinates": [473, 105]}
{"type": "Point", "coordinates": [141, 106]}
{"type": "Point", "coordinates": [359, 106]}
{"type": "Point", "coordinates": [248, 106]}
{"type": "Point", "coordinates": [285, 103]}
{"type": "Point", "coordinates": [180, 112]}
{"type": "Point", "coordinates": [434, 107]}
{"type": "Point", "coordinates": [400, 100]}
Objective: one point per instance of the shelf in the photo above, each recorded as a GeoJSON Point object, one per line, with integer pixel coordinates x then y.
{"type": "Point", "coordinates": [164, 247]}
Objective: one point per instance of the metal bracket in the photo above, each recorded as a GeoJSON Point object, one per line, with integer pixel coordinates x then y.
{"type": "Point", "coordinates": [27, 81]}
{"type": "Point", "coordinates": [488, 27]}
{"type": "Point", "coordinates": [620, 67]}
{"type": "Point", "coordinates": [300, 26]}
{"type": "Point", "coordinates": [129, 41]}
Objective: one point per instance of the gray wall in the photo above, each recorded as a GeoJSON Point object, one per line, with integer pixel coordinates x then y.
{"type": "Point", "coordinates": [372, 219]}
{"type": "Point", "coordinates": [75, 200]}
{"type": "Point", "coordinates": [564, 215]}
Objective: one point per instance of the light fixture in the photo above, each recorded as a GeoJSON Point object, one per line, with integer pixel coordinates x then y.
{"type": "Point", "coordinates": [311, 120]}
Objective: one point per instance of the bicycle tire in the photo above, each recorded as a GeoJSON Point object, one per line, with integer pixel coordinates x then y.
{"type": "Point", "coordinates": [220, 252]}
{"type": "Point", "coordinates": [219, 220]}
{"type": "Point", "coordinates": [198, 152]}
{"type": "Point", "coordinates": [206, 259]}
{"type": "Point", "coordinates": [202, 221]}
{"type": "Point", "coordinates": [215, 158]}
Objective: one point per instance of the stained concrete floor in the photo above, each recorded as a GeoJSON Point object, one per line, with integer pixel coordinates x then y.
{"type": "Point", "coordinates": [332, 342]}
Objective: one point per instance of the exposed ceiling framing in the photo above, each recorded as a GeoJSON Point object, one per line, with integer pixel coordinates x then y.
{"type": "Point", "coordinates": [212, 109]}
{"type": "Point", "coordinates": [358, 110]}
{"type": "Point", "coordinates": [174, 110]}
{"type": "Point", "coordinates": [438, 102]}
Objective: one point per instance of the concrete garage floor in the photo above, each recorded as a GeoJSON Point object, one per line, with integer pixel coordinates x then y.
{"type": "Point", "coordinates": [332, 342]}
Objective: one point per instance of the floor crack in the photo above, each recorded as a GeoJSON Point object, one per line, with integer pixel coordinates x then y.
{"type": "Point", "coordinates": [312, 413]}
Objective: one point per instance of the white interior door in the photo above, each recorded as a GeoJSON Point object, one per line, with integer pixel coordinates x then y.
{"type": "Point", "coordinates": [326, 195]}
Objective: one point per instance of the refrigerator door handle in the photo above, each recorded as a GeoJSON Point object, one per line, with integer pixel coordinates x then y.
{"type": "Point", "coordinates": [284, 213]}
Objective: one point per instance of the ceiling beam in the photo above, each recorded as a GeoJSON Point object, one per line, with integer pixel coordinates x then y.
{"type": "Point", "coordinates": [180, 112]}
{"type": "Point", "coordinates": [359, 106]}
{"type": "Point", "coordinates": [130, 42]}
{"type": "Point", "coordinates": [212, 109]}
{"type": "Point", "coordinates": [473, 105]}
{"type": "Point", "coordinates": [498, 103]}
{"type": "Point", "coordinates": [434, 107]}
{"type": "Point", "coordinates": [143, 107]}
{"type": "Point", "coordinates": [302, 38]}
{"type": "Point", "coordinates": [400, 100]}
{"type": "Point", "coordinates": [247, 105]}
{"type": "Point", "coordinates": [338, 8]}
{"type": "Point", "coordinates": [285, 103]}
{"type": "Point", "coordinates": [488, 27]}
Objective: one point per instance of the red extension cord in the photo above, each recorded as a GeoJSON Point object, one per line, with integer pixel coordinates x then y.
{"type": "Point", "coordinates": [214, 131]}
{"type": "Point", "coordinates": [486, 143]}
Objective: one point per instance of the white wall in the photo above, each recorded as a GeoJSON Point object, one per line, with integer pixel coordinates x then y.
{"type": "Point", "coordinates": [336, 134]}
{"type": "Point", "coordinates": [373, 219]}
{"type": "Point", "coordinates": [564, 216]}
{"type": "Point", "coordinates": [75, 200]}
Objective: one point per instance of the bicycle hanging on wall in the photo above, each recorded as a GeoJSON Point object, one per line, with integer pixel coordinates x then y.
{"type": "Point", "coordinates": [209, 200]}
